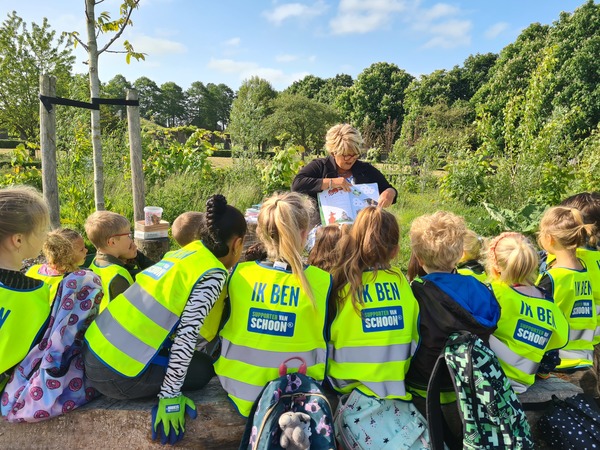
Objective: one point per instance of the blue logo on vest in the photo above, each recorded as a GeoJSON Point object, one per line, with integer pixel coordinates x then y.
{"type": "Point", "coordinates": [582, 308]}
{"type": "Point", "coordinates": [531, 334]}
{"type": "Point", "coordinates": [382, 319]}
{"type": "Point", "coordinates": [275, 323]}
{"type": "Point", "coordinates": [159, 269]}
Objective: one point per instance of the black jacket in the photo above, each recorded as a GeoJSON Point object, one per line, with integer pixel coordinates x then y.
{"type": "Point", "coordinates": [310, 178]}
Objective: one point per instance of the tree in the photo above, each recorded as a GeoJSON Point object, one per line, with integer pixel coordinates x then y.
{"type": "Point", "coordinates": [209, 106]}
{"type": "Point", "coordinates": [116, 88]}
{"type": "Point", "coordinates": [25, 53]}
{"type": "Point", "coordinates": [172, 104]}
{"type": "Point", "coordinates": [377, 94]}
{"type": "Point", "coordinates": [304, 120]}
{"type": "Point", "coordinates": [96, 27]}
{"type": "Point", "coordinates": [310, 86]}
{"type": "Point", "coordinates": [249, 110]}
{"type": "Point", "coordinates": [149, 96]}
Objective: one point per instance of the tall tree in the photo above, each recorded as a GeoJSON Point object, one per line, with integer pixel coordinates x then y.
{"type": "Point", "coordinates": [25, 53]}
{"type": "Point", "coordinates": [116, 88]}
{"type": "Point", "coordinates": [95, 27]}
{"type": "Point", "coordinates": [250, 108]}
{"type": "Point", "coordinates": [172, 109]}
{"type": "Point", "coordinates": [306, 121]}
{"type": "Point", "coordinates": [149, 96]}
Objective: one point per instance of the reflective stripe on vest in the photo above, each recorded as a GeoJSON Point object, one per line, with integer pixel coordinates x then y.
{"type": "Point", "coordinates": [528, 328]}
{"type": "Point", "coordinates": [586, 335]}
{"type": "Point", "coordinates": [128, 334]}
{"type": "Point", "coordinates": [271, 319]}
{"type": "Point", "coordinates": [23, 316]}
{"type": "Point", "coordinates": [575, 358]}
{"type": "Point", "coordinates": [53, 281]}
{"type": "Point", "coordinates": [572, 293]}
{"type": "Point", "coordinates": [372, 351]}
{"type": "Point", "coordinates": [106, 275]}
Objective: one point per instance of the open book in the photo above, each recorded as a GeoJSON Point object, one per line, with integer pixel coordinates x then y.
{"type": "Point", "coordinates": [338, 206]}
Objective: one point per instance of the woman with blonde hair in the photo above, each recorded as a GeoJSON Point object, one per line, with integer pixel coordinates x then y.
{"type": "Point", "coordinates": [342, 168]}
{"type": "Point", "coordinates": [278, 306]}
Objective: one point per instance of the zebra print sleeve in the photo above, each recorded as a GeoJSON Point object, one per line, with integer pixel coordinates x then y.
{"type": "Point", "coordinates": [204, 295]}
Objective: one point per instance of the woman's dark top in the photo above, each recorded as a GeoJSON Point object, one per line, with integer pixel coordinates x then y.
{"type": "Point", "coordinates": [310, 178]}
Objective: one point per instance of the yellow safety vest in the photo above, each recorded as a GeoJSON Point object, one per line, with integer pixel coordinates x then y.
{"type": "Point", "coordinates": [128, 334]}
{"type": "Point", "coordinates": [591, 261]}
{"type": "Point", "coordinates": [271, 320]}
{"type": "Point", "coordinates": [23, 316]}
{"type": "Point", "coordinates": [106, 275]}
{"type": "Point", "coordinates": [572, 292]}
{"type": "Point", "coordinates": [479, 276]}
{"type": "Point", "coordinates": [53, 281]}
{"type": "Point", "coordinates": [528, 328]}
{"type": "Point", "coordinates": [372, 351]}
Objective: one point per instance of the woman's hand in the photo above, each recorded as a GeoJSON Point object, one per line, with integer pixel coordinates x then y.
{"type": "Point", "coordinates": [386, 198]}
{"type": "Point", "coordinates": [342, 183]}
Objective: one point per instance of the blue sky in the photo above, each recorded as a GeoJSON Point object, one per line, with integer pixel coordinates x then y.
{"type": "Point", "coordinates": [282, 41]}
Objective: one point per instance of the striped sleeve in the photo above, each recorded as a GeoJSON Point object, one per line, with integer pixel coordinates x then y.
{"type": "Point", "coordinates": [204, 295]}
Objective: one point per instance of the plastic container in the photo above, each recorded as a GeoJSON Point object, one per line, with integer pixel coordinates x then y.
{"type": "Point", "coordinates": [152, 215]}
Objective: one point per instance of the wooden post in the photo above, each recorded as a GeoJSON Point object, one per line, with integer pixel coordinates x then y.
{"type": "Point", "coordinates": [135, 155]}
{"type": "Point", "coordinates": [48, 147]}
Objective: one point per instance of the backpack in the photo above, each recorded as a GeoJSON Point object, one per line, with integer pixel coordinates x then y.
{"type": "Point", "coordinates": [491, 413]}
{"type": "Point", "coordinates": [291, 392]}
{"type": "Point", "coordinates": [572, 423]}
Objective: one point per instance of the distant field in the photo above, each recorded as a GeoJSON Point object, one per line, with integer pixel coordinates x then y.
{"type": "Point", "coordinates": [220, 162]}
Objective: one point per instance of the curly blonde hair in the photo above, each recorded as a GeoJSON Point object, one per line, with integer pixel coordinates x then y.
{"type": "Point", "coordinates": [59, 250]}
{"type": "Point", "coordinates": [437, 240]}
{"type": "Point", "coordinates": [511, 258]}
{"type": "Point", "coordinates": [343, 139]}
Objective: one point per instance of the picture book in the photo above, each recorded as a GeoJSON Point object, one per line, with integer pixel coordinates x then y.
{"type": "Point", "coordinates": [339, 206]}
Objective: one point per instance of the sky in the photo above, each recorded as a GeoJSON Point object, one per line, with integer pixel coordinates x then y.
{"type": "Point", "coordinates": [229, 41]}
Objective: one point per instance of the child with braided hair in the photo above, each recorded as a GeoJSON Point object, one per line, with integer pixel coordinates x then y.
{"type": "Point", "coordinates": [143, 343]}
{"type": "Point", "coordinates": [530, 324]}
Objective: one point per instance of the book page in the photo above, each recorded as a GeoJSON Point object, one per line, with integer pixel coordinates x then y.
{"type": "Point", "coordinates": [337, 206]}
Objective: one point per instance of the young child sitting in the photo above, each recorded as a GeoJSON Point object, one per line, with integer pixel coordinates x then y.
{"type": "Point", "coordinates": [448, 301]}
{"type": "Point", "coordinates": [323, 254]}
{"type": "Point", "coordinates": [469, 263]}
{"type": "Point", "coordinates": [117, 259]}
{"type": "Point", "coordinates": [186, 227]}
{"type": "Point", "coordinates": [65, 252]}
{"type": "Point", "coordinates": [531, 324]}
{"type": "Point", "coordinates": [562, 231]}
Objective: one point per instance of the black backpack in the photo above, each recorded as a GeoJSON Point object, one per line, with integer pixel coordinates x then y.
{"type": "Point", "coordinates": [491, 413]}
{"type": "Point", "coordinates": [572, 423]}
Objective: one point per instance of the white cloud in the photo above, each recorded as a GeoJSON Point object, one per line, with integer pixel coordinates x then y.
{"type": "Point", "coordinates": [156, 46]}
{"type": "Point", "coordinates": [294, 10]}
{"type": "Point", "coordinates": [450, 34]}
{"type": "Point", "coordinates": [247, 69]}
{"type": "Point", "coordinates": [233, 42]}
{"type": "Point", "coordinates": [286, 58]}
{"type": "Point", "coordinates": [359, 16]}
{"type": "Point", "coordinates": [495, 30]}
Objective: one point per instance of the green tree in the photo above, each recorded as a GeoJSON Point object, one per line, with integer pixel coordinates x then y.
{"type": "Point", "coordinates": [172, 106]}
{"type": "Point", "coordinates": [248, 112]}
{"type": "Point", "coordinates": [310, 86]}
{"type": "Point", "coordinates": [304, 121]}
{"type": "Point", "coordinates": [25, 53]}
{"type": "Point", "coordinates": [209, 106]}
{"type": "Point", "coordinates": [116, 88]}
{"type": "Point", "coordinates": [150, 97]}
{"type": "Point", "coordinates": [377, 94]}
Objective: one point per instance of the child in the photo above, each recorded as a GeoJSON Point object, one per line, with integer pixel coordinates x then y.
{"type": "Point", "coordinates": [369, 358]}
{"type": "Point", "coordinates": [186, 227]}
{"type": "Point", "coordinates": [323, 254]}
{"type": "Point", "coordinates": [531, 324]}
{"type": "Point", "coordinates": [41, 370]}
{"type": "Point", "coordinates": [65, 252]}
{"type": "Point", "coordinates": [278, 306]}
{"type": "Point", "coordinates": [469, 263]}
{"type": "Point", "coordinates": [111, 235]}
{"type": "Point", "coordinates": [448, 301]}
{"type": "Point", "coordinates": [562, 230]}
{"type": "Point", "coordinates": [142, 344]}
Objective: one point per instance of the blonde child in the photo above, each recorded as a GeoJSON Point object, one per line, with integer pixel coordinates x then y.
{"type": "Point", "coordinates": [562, 230]}
{"type": "Point", "coordinates": [470, 263]}
{"type": "Point", "coordinates": [65, 252]}
{"type": "Point", "coordinates": [278, 306]}
{"type": "Point", "coordinates": [117, 259]}
{"type": "Point", "coordinates": [530, 324]}
{"type": "Point", "coordinates": [369, 357]}
{"type": "Point", "coordinates": [323, 254]}
{"type": "Point", "coordinates": [30, 330]}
